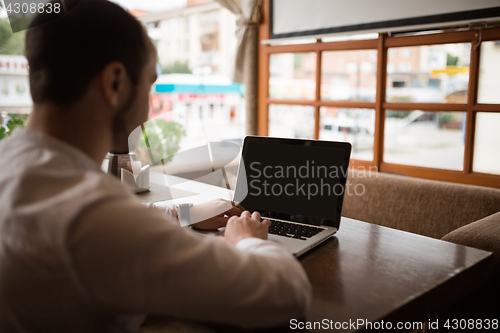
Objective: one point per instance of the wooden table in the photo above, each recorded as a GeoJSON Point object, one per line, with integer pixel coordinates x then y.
{"type": "Point", "coordinates": [376, 273]}
{"type": "Point", "coordinates": [373, 273]}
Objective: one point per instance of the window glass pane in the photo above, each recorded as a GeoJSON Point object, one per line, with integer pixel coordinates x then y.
{"type": "Point", "coordinates": [427, 139]}
{"type": "Point", "coordinates": [349, 75]}
{"type": "Point", "coordinates": [291, 121]}
{"type": "Point", "coordinates": [194, 83]}
{"type": "Point", "coordinates": [487, 143]}
{"type": "Point", "coordinates": [428, 74]}
{"type": "Point", "coordinates": [489, 72]}
{"type": "Point", "coordinates": [353, 125]}
{"type": "Point", "coordinates": [292, 76]}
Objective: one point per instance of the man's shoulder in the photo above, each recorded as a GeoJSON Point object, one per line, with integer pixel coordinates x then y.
{"type": "Point", "coordinates": [51, 179]}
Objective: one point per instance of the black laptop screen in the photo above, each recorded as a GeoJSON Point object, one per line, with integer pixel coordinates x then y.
{"type": "Point", "coordinates": [296, 180]}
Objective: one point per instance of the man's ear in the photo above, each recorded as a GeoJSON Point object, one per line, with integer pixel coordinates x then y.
{"type": "Point", "coordinates": [115, 84]}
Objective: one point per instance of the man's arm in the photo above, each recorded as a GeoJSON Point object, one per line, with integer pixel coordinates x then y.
{"type": "Point", "coordinates": [131, 258]}
{"type": "Point", "coordinates": [209, 215]}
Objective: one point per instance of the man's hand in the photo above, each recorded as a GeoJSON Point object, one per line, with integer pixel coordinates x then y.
{"type": "Point", "coordinates": [218, 212]}
{"type": "Point", "coordinates": [246, 226]}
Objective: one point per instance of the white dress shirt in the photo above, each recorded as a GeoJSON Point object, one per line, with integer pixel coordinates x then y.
{"type": "Point", "coordinates": [79, 253]}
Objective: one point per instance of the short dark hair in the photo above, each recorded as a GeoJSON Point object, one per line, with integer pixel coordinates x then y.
{"type": "Point", "coordinates": [66, 53]}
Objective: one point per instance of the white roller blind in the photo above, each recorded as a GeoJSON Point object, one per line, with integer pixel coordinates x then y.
{"type": "Point", "coordinates": [292, 18]}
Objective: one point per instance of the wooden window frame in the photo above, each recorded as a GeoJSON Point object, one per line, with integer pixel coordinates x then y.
{"type": "Point", "coordinates": [382, 44]}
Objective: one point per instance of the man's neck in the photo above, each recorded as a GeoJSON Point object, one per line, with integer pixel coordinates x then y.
{"type": "Point", "coordinates": [80, 126]}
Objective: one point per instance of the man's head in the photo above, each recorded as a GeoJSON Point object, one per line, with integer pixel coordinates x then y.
{"type": "Point", "coordinates": [96, 41]}
{"type": "Point", "coordinates": [66, 53]}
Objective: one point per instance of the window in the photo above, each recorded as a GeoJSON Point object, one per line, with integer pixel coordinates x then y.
{"type": "Point", "coordinates": [424, 105]}
{"type": "Point", "coordinates": [194, 88]}
{"type": "Point", "coordinates": [292, 76]}
{"type": "Point", "coordinates": [355, 125]}
{"type": "Point", "coordinates": [487, 143]}
{"type": "Point", "coordinates": [434, 74]}
{"type": "Point", "coordinates": [291, 121]}
{"type": "Point", "coordinates": [348, 75]}
{"type": "Point", "coordinates": [427, 139]}
{"type": "Point", "coordinates": [489, 72]}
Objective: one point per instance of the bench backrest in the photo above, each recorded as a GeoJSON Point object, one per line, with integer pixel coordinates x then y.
{"type": "Point", "coordinates": [426, 207]}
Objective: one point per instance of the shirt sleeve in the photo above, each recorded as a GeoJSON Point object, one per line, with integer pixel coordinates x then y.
{"type": "Point", "coordinates": [170, 211]}
{"type": "Point", "coordinates": [131, 258]}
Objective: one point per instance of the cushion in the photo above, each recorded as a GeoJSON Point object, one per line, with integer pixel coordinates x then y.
{"type": "Point", "coordinates": [426, 207]}
{"type": "Point", "coordinates": [483, 234]}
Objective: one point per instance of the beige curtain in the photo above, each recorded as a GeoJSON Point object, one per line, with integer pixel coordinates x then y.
{"type": "Point", "coordinates": [248, 18]}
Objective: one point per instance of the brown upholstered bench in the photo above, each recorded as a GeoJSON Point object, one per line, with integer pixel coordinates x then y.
{"type": "Point", "coordinates": [462, 214]}
{"type": "Point", "coordinates": [426, 207]}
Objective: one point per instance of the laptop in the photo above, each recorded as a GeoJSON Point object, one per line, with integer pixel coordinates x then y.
{"type": "Point", "coordinates": [297, 184]}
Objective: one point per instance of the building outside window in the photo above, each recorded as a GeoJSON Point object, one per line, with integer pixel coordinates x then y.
{"type": "Point", "coordinates": [195, 40]}
{"type": "Point", "coordinates": [196, 44]}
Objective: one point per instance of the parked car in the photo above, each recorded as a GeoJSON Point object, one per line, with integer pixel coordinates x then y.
{"type": "Point", "coordinates": [340, 129]}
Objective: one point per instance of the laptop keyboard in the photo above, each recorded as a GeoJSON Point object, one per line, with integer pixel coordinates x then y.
{"type": "Point", "coordinates": [292, 230]}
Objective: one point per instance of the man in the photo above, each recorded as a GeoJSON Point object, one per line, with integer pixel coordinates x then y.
{"type": "Point", "coordinates": [78, 252]}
